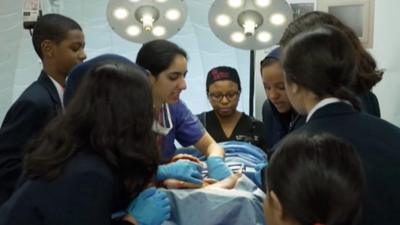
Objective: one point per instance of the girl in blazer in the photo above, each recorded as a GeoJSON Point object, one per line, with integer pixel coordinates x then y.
{"type": "Point", "coordinates": [320, 66]}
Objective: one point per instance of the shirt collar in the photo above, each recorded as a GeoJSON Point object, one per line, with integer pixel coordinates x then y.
{"type": "Point", "coordinates": [60, 90]}
{"type": "Point", "coordinates": [321, 104]}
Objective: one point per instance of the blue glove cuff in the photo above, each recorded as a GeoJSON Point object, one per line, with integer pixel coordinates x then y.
{"type": "Point", "coordinates": [217, 168]}
{"type": "Point", "coordinates": [161, 175]}
{"type": "Point", "coordinates": [182, 170]}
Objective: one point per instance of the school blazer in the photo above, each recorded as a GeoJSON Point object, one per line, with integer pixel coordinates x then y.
{"type": "Point", "coordinates": [378, 144]}
{"type": "Point", "coordinates": [24, 120]}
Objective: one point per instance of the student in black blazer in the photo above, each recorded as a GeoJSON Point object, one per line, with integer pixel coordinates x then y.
{"type": "Point", "coordinates": [319, 67]}
{"type": "Point", "coordinates": [59, 43]}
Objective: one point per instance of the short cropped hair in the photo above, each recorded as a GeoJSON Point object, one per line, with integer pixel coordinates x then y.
{"type": "Point", "coordinates": [53, 27]}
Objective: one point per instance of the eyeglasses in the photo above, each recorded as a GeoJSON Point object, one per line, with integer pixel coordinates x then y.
{"type": "Point", "coordinates": [217, 97]}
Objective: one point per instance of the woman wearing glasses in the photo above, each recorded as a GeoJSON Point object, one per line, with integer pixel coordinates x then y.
{"type": "Point", "coordinates": [224, 122]}
{"type": "Point", "coordinates": [167, 66]}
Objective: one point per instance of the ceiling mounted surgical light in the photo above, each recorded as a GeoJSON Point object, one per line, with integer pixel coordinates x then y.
{"type": "Point", "coordinates": [249, 24]}
{"type": "Point", "coordinates": [145, 20]}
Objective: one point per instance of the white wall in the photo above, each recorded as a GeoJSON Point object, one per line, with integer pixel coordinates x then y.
{"type": "Point", "coordinates": [10, 35]}
{"type": "Point", "coordinates": [386, 50]}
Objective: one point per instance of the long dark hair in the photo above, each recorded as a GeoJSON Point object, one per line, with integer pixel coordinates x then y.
{"type": "Point", "coordinates": [323, 61]}
{"type": "Point", "coordinates": [318, 179]}
{"type": "Point", "coordinates": [368, 74]}
{"type": "Point", "coordinates": [110, 116]}
{"type": "Point", "coordinates": [156, 56]}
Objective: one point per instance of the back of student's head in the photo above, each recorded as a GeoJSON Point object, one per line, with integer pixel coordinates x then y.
{"type": "Point", "coordinates": [53, 27]}
{"type": "Point", "coordinates": [318, 180]}
{"type": "Point", "coordinates": [156, 56]}
{"type": "Point", "coordinates": [323, 61]}
{"type": "Point", "coordinates": [368, 74]}
{"type": "Point", "coordinates": [110, 115]}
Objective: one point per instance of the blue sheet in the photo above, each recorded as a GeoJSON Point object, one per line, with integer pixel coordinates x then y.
{"type": "Point", "coordinates": [238, 156]}
{"type": "Point", "coordinates": [216, 206]}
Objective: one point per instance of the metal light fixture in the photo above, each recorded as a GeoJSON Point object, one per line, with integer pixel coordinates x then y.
{"type": "Point", "coordinates": [249, 24]}
{"type": "Point", "coordinates": [145, 20]}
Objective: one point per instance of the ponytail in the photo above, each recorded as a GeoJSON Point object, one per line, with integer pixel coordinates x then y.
{"type": "Point", "coordinates": [345, 93]}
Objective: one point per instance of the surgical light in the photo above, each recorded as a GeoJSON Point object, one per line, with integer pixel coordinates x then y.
{"type": "Point", "coordinates": [223, 20]}
{"type": "Point", "coordinates": [262, 3]}
{"type": "Point", "coordinates": [251, 17]}
{"type": "Point", "coordinates": [253, 25]}
{"type": "Point", "coordinates": [235, 3]}
{"type": "Point", "coordinates": [278, 19]}
{"type": "Point", "coordinates": [121, 13]}
{"type": "Point", "coordinates": [173, 14]}
{"type": "Point", "coordinates": [145, 20]}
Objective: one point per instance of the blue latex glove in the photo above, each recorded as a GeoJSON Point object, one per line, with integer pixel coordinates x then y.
{"type": "Point", "coordinates": [182, 170]}
{"type": "Point", "coordinates": [151, 207]}
{"type": "Point", "coordinates": [217, 168]}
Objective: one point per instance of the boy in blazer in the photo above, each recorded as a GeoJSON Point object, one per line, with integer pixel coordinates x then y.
{"type": "Point", "coordinates": [59, 42]}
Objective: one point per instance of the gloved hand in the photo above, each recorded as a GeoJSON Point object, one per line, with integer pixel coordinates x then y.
{"type": "Point", "coordinates": [151, 207]}
{"type": "Point", "coordinates": [217, 168]}
{"type": "Point", "coordinates": [182, 170]}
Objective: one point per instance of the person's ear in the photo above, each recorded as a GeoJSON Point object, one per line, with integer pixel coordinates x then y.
{"type": "Point", "coordinates": [47, 48]}
{"type": "Point", "coordinates": [276, 204]}
{"type": "Point", "coordinates": [152, 79]}
{"type": "Point", "coordinates": [292, 87]}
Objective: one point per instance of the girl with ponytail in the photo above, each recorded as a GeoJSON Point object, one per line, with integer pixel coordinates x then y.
{"type": "Point", "coordinates": [319, 67]}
